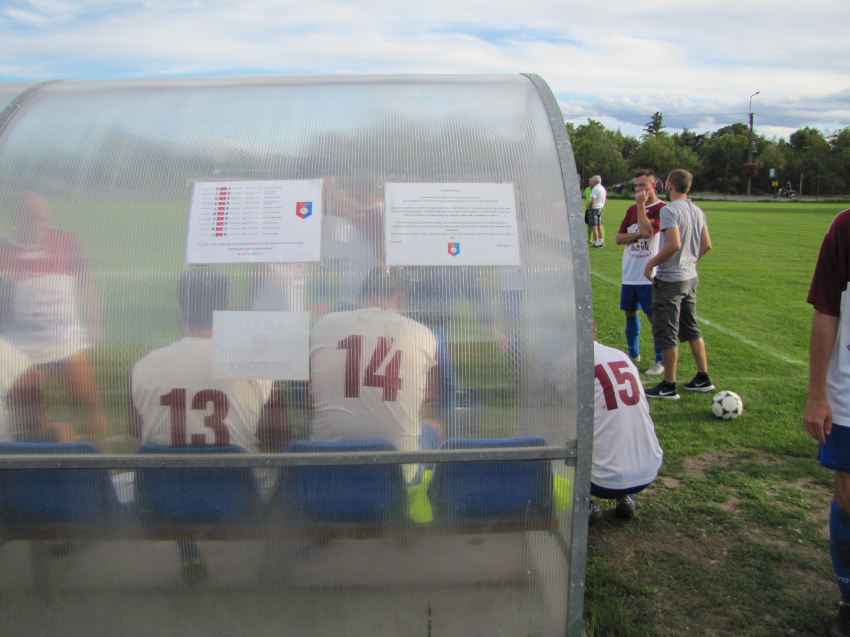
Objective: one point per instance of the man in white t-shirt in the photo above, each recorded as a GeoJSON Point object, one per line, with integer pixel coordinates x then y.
{"type": "Point", "coordinates": [175, 401]}
{"type": "Point", "coordinates": [372, 370]}
{"type": "Point", "coordinates": [639, 233]}
{"type": "Point", "coordinates": [626, 454]}
{"type": "Point", "coordinates": [598, 197]}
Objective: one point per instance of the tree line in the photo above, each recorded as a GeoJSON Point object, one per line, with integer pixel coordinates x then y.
{"type": "Point", "coordinates": [818, 160]}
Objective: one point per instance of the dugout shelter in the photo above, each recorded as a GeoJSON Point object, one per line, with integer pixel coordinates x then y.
{"type": "Point", "coordinates": [464, 184]}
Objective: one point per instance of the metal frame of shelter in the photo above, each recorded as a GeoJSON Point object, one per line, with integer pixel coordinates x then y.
{"type": "Point", "coordinates": [577, 452]}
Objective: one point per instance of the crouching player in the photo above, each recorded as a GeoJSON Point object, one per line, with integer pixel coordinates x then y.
{"type": "Point", "coordinates": [827, 414]}
{"type": "Point", "coordinates": [626, 454]}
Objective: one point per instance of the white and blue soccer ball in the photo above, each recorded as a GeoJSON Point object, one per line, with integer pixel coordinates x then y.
{"type": "Point", "coordinates": [727, 405]}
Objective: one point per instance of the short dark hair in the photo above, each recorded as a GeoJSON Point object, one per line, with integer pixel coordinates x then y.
{"type": "Point", "coordinates": [681, 180]}
{"type": "Point", "coordinates": [7, 301]}
{"type": "Point", "coordinates": [646, 172]}
{"type": "Point", "coordinates": [201, 292]}
{"type": "Point", "coordinates": [382, 283]}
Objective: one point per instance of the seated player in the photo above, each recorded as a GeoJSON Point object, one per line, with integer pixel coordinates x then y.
{"type": "Point", "coordinates": [626, 454]}
{"type": "Point", "coordinates": [176, 401]}
{"type": "Point", "coordinates": [371, 371]}
{"type": "Point", "coordinates": [52, 297]}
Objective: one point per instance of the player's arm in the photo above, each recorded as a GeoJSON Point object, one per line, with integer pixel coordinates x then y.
{"type": "Point", "coordinates": [134, 417]}
{"type": "Point", "coordinates": [671, 247]}
{"type": "Point", "coordinates": [644, 224]}
{"type": "Point", "coordinates": [817, 416]}
{"type": "Point", "coordinates": [274, 429]}
{"type": "Point", "coordinates": [625, 238]}
{"type": "Point", "coordinates": [704, 243]}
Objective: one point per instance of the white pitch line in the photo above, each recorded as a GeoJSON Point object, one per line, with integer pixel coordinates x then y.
{"type": "Point", "coordinates": [724, 330]}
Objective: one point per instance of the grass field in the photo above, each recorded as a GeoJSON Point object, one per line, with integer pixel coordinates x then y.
{"type": "Point", "coordinates": [732, 539]}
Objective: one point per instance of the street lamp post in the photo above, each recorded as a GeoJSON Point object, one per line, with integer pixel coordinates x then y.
{"type": "Point", "coordinates": [750, 152]}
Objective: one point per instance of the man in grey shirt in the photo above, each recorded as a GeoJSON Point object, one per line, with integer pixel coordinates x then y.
{"type": "Point", "coordinates": [684, 240]}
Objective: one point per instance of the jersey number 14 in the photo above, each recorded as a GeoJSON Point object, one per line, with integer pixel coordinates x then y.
{"type": "Point", "coordinates": [389, 381]}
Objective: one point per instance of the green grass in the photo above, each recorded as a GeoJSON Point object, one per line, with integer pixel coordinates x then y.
{"type": "Point", "coordinates": [732, 539]}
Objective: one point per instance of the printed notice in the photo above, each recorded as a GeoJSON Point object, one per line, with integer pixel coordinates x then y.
{"type": "Point", "coordinates": [255, 222]}
{"type": "Point", "coordinates": [261, 345]}
{"type": "Point", "coordinates": [451, 224]}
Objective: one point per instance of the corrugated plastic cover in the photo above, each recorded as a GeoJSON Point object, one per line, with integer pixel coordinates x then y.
{"type": "Point", "coordinates": [111, 165]}
{"type": "Point", "coordinates": [10, 90]}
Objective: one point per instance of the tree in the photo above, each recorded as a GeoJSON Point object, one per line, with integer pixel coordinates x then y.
{"type": "Point", "coordinates": [723, 158]}
{"type": "Point", "coordinates": [662, 155]}
{"type": "Point", "coordinates": [654, 126]}
{"type": "Point", "coordinates": [598, 151]}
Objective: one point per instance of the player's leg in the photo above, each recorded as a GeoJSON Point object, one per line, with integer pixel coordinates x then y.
{"type": "Point", "coordinates": [77, 377]}
{"type": "Point", "coordinates": [667, 301]}
{"type": "Point", "coordinates": [629, 303]}
{"type": "Point", "coordinates": [689, 332]}
{"type": "Point", "coordinates": [647, 298]}
{"type": "Point", "coordinates": [835, 454]}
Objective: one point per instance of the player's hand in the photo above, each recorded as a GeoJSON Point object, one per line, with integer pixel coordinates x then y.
{"type": "Point", "coordinates": [817, 418]}
{"type": "Point", "coordinates": [647, 272]}
{"type": "Point", "coordinates": [641, 197]}
{"type": "Point", "coordinates": [501, 340]}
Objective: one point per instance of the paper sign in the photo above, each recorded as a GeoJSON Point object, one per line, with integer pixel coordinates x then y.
{"type": "Point", "coordinates": [255, 222]}
{"type": "Point", "coordinates": [261, 345]}
{"type": "Point", "coordinates": [451, 224]}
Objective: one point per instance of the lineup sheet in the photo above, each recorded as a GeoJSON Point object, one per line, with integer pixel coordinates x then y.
{"type": "Point", "coordinates": [255, 222]}
{"type": "Point", "coordinates": [261, 345]}
{"type": "Point", "coordinates": [451, 224]}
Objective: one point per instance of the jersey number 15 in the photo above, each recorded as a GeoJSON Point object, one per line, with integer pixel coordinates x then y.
{"type": "Point", "coordinates": [623, 376]}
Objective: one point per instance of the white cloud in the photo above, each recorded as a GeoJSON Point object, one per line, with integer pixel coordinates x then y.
{"type": "Point", "coordinates": [617, 60]}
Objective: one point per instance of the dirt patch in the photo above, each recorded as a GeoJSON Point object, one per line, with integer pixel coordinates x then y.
{"type": "Point", "coordinates": [696, 466]}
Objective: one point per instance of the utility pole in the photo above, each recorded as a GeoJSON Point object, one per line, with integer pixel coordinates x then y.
{"type": "Point", "coordinates": [750, 153]}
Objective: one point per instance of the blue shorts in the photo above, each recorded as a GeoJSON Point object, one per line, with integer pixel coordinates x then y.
{"type": "Point", "coordinates": [835, 454]}
{"type": "Point", "coordinates": [604, 493]}
{"type": "Point", "coordinates": [636, 297]}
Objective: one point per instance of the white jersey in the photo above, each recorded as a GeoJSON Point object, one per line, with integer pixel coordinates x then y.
{"type": "Point", "coordinates": [13, 363]}
{"type": "Point", "coordinates": [625, 448]}
{"type": "Point", "coordinates": [599, 195]}
{"type": "Point", "coordinates": [180, 403]}
{"type": "Point", "coordinates": [638, 253]}
{"type": "Point", "coordinates": [369, 372]}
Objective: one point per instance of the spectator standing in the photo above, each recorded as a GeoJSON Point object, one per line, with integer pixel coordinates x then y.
{"type": "Point", "coordinates": [684, 240]}
{"type": "Point", "coordinates": [827, 413]}
{"type": "Point", "coordinates": [598, 197]}
{"type": "Point", "coordinates": [641, 243]}
{"type": "Point", "coordinates": [587, 215]}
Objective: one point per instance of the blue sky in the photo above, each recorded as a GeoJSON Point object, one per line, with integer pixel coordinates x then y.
{"type": "Point", "coordinates": [615, 61]}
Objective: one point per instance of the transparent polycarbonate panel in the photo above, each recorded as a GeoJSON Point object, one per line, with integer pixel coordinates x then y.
{"type": "Point", "coordinates": [10, 90]}
{"type": "Point", "coordinates": [95, 199]}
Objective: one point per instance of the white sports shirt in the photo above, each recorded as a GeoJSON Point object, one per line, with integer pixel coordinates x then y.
{"type": "Point", "coordinates": [180, 403]}
{"type": "Point", "coordinates": [600, 196]}
{"type": "Point", "coordinates": [13, 363]}
{"type": "Point", "coordinates": [625, 448]}
{"type": "Point", "coordinates": [369, 372]}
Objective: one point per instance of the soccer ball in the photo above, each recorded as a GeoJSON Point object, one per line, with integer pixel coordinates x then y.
{"type": "Point", "coordinates": [727, 405]}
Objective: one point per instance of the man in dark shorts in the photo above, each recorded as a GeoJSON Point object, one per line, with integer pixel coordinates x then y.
{"type": "Point", "coordinates": [827, 414]}
{"type": "Point", "coordinates": [684, 240]}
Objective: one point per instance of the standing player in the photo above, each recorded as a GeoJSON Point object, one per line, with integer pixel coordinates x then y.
{"type": "Point", "coordinates": [827, 414]}
{"type": "Point", "coordinates": [52, 293]}
{"type": "Point", "coordinates": [587, 197]}
{"type": "Point", "coordinates": [371, 370]}
{"type": "Point", "coordinates": [176, 401]}
{"type": "Point", "coordinates": [639, 233]}
{"type": "Point", "coordinates": [598, 197]}
{"type": "Point", "coordinates": [626, 454]}
{"type": "Point", "coordinates": [684, 241]}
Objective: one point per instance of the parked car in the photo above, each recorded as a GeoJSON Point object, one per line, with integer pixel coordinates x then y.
{"type": "Point", "coordinates": [629, 187]}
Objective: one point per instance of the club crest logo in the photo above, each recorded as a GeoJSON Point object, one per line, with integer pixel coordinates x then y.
{"type": "Point", "coordinates": [304, 209]}
{"type": "Point", "coordinates": [454, 249]}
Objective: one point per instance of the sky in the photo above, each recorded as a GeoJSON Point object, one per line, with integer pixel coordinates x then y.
{"type": "Point", "coordinates": [614, 61]}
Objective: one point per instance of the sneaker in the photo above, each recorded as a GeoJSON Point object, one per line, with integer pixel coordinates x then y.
{"type": "Point", "coordinates": [663, 390]}
{"type": "Point", "coordinates": [635, 359]}
{"type": "Point", "coordinates": [695, 384]}
{"type": "Point", "coordinates": [656, 370]}
{"type": "Point", "coordinates": [625, 507]}
{"type": "Point", "coordinates": [841, 627]}
{"type": "Point", "coordinates": [193, 571]}
{"type": "Point", "coordinates": [595, 513]}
